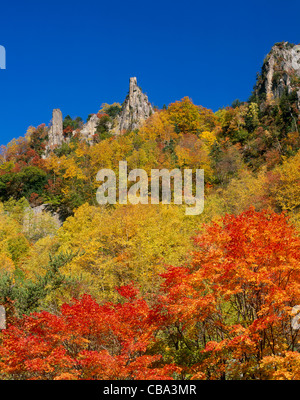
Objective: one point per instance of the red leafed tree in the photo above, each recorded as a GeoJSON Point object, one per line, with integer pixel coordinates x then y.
{"type": "Point", "coordinates": [86, 341]}
{"type": "Point", "coordinates": [231, 308]}
{"type": "Point", "coordinates": [227, 315]}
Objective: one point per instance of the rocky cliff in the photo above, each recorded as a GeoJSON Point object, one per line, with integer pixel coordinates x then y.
{"type": "Point", "coordinates": [280, 72]}
{"type": "Point", "coordinates": [135, 109]}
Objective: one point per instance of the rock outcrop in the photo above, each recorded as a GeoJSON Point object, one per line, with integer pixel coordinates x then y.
{"type": "Point", "coordinates": [55, 135]}
{"type": "Point", "coordinates": [280, 72]}
{"type": "Point", "coordinates": [89, 128]}
{"type": "Point", "coordinates": [135, 109]}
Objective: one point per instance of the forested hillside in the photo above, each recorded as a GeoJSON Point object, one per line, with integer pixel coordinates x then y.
{"type": "Point", "coordinates": [146, 291]}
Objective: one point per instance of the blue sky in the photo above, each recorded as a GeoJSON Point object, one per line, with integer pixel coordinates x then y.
{"type": "Point", "coordinates": [76, 55]}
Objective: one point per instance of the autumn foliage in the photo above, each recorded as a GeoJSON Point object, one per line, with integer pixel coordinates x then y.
{"type": "Point", "coordinates": [85, 341]}
{"type": "Point", "coordinates": [122, 291]}
{"type": "Point", "coordinates": [234, 300]}
{"type": "Point", "coordinates": [224, 315]}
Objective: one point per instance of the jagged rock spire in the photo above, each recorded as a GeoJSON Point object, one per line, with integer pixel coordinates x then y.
{"type": "Point", "coordinates": [136, 108]}
{"type": "Point", "coordinates": [55, 134]}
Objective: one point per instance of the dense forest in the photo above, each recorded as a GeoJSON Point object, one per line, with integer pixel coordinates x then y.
{"type": "Point", "coordinates": [146, 291]}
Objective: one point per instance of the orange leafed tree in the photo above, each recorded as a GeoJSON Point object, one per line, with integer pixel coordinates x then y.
{"type": "Point", "coordinates": [232, 305]}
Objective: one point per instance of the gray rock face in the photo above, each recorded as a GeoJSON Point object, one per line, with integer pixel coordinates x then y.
{"type": "Point", "coordinates": [89, 129]}
{"type": "Point", "coordinates": [280, 71]}
{"type": "Point", "coordinates": [56, 137]}
{"type": "Point", "coordinates": [2, 318]}
{"type": "Point", "coordinates": [38, 222]}
{"type": "Point", "coordinates": [135, 109]}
